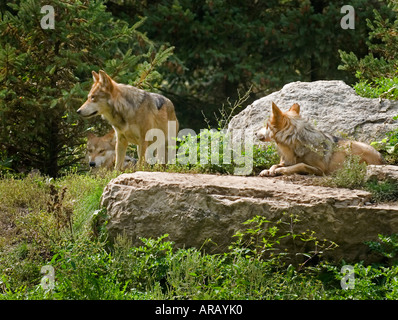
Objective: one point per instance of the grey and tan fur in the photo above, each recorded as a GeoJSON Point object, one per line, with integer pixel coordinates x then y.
{"type": "Point", "coordinates": [305, 150]}
{"type": "Point", "coordinates": [132, 112]}
{"type": "Point", "coordinates": [101, 152]}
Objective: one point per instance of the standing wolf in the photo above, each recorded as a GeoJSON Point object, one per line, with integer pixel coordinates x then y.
{"type": "Point", "coordinates": [306, 150]}
{"type": "Point", "coordinates": [132, 112]}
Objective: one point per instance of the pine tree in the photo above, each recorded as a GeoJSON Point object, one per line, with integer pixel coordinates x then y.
{"type": "Point", "coordinates": [45, 75]}
{"type": "Point", "coordinates": [382, 59]}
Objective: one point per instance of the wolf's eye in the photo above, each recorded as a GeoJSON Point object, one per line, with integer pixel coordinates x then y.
{"type": "Point", "coordinates": [93, 98]}
{"type": "Point", "coordinates": [102, 151]}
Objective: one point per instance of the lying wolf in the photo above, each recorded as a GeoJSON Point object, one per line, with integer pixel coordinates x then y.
{"type": "Point", "coordinates": [101, 152]}
{"type": "Point", "coordinates": [306, 150]}
{"type": "Point", "coordinates": [132, 112]}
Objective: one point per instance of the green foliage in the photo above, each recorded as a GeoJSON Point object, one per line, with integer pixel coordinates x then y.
{"type": "Point", "coordinates": [46, 74]}
{"type": "Point", "coordinates": [351, 175]}
{"type": "Point", "coordinates": [387, 246]}
{"type": "Point", "coordinates": [264, 157]}
{"type": "Point", "coordinates": [211, 151]}
{"type": "Point", "coordinates": [217, 151]}
{"type": "Point", "coordinates": [91, 269]}
{"type": "Point", "coordinates": [383, 191]}
{"type": "Point", "coordinates": [381, 61]}
{"type": "Point", "coordinates": [377, 71]}
{"type": "Point", "coordinates": [370, 283]}
{"type": "Point", "coordinates": [266, 240]}
{"type": "Point", "coordinates": [376, 282]}
{"type": "Point", "coordinates": [225, 46]}
{"type": "Point", "coordinates": [389, 146]}
{"type": "Point", "coordinates": [225, 114]}
{"type": "Point", "coordinates": [87, 266]}
{"type": "Point", "coordinates": [36, 217]}
{"type": "Point", "coordinates": [44, 78]}
{"type": "Point", "coordinates": [385, 88]}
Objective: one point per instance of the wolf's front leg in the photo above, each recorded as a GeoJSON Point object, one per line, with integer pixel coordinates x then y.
{"type": "Point", "coordinates": [121, 148]}
{"type": "Point", "coordinates": [142, 153]}
{"type": "Point", "coordinates": [299, 168]}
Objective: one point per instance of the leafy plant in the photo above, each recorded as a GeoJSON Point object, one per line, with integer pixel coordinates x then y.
{"type": "Point", "coordinates": [381, 62]}
{"type": "Point", "coordinates": [389, 146]}
{"type": "Point", "coordinates": [214, 151]}
{"type": "Point", "coordinates": [385, 88]}
{"type": "Point", "coordinates": [267, 240]}
{"type": "Point", "coordinates": [383, 190]}
{"type": "Point", "coordinates": [351, 175]}
{"type": "Point", "coordinates": [257, 265]}
{"type": "Point", "coordinates": [377, 71]}
{"type": "Point", "coordinates": [386, 246]}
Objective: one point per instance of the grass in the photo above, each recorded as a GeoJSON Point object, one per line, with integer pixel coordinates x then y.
{"type": "Point", "coordinates": [35, 232]}
{"type": "Point", "coordinates": [351, 175]}
{"type": "Point", "coordinates": [46, 221]}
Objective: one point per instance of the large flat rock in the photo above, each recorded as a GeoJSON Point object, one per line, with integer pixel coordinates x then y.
{"type": "Point", "coordinates": [192, 208]}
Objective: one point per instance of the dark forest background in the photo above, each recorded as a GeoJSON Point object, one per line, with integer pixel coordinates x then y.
{"type": "Point", "coordinates": [200, 54]}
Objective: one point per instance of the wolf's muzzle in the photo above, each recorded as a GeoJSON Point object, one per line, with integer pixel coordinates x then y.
{"type": "Point", "coordinates": [85, 116]}
{"type": "Point", "coordinates": [260, 136]}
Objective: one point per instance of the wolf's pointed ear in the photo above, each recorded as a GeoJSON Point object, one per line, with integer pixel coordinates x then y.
{"type": "Point", "coordinates": [95, 76]}
{"type": "Point", "coordinates": [295, 108]}
{"type": "Point", "coordinates": [111, 136]}
{"type": "Point", "coordinates": [276, 112]}
{"type": "Point", "coordinates": [105, 80]}
{"type": "Point", "coordinates": [276, 115]}
{"type": "Point", "coordinates": [91, 135]}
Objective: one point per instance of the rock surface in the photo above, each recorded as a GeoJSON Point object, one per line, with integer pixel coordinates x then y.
{"type": "Point", "coordinates": [333, 106]}
{"type": "Point", "coordinates": [387, 172]}
{"type": "Point", "coordinates": [192, 208]}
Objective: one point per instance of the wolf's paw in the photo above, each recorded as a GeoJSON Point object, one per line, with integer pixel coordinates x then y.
{"type": "Point", "coordinates": [281, 171]}
{"type": "Point", "coordinates": [267, 173]}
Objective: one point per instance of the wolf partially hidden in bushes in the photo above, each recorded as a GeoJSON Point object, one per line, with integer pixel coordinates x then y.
{"type": "Point", "coordinates": [101, 152]}
{"type": "Point", "coordinates": [305, 150]}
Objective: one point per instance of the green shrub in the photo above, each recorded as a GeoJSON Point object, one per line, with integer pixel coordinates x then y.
{"type": "Point", "coordinates": [383, 190]}
{"type": "Point", "coordinates": [377, 71]}
{"type": "Point", "coordinates": [215, 151]}
{"type": "Point", "coordinates": [387, 246]}
{"type": "Point", "coordinates": [222, 158]}
{"type": "Point", "coordinates": [351, 175]}
{"type": "Point", "coordinates": [39, 215]}
{"type": "Point", "coordinates": [388, 146]}
{"type": "Point", "coordinates": [87, 266]}
{"type": "Point", "coordinates": [386, 88]}
{"type": "Point", "coordinates": [370, 282]}
{"type": "Point", "coordinates": [381, 62]}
